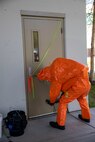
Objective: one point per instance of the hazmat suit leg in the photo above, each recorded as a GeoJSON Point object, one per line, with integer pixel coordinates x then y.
{"type": "Point", "coordinates": [85, 111]}
{"type": "Point", "coordinates": [68, 97]}
{"type": "Point", "coordinates": [61, 113]}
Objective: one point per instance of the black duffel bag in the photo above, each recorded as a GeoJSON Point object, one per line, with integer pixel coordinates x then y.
{"type": "Point", "coordinates": [16, 122]}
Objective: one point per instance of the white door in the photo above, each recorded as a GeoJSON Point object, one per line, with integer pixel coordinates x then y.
{"type": "Point", "coordinates": [43, 38]}
{"type": "Point", "coordinates": [44, 41]}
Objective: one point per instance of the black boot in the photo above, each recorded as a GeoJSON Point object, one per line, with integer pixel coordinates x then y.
{"type": "Point", "coordinates": [83, 119]}
{"type": "Point", "coordinates": [55, 125]}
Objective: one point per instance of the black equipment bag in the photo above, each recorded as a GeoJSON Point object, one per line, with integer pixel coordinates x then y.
{"type": "Point", "coordinates": [16, 122]}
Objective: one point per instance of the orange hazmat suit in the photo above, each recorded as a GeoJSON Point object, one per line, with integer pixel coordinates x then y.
{"type": "Point", "coordinates": [70, 77]}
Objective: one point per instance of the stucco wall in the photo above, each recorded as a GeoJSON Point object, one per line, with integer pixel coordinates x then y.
{"type": "Point", "coordinates": [12, 88]}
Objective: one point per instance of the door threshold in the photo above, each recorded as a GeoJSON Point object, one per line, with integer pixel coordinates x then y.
{"type": "Point", "coordinates": [42, 115]}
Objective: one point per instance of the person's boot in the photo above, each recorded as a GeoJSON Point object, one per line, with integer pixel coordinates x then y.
{"type": "Point", "coordinates": [55, 125]}
{"type": "Point", "coordinates": [83, 119]}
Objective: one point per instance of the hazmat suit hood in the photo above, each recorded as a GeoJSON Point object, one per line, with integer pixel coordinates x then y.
{"type": "Point", "coordinates": [44, 74]}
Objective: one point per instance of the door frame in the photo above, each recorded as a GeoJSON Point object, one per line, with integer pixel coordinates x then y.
{"type": "Point", "coordinates": [37, 14]}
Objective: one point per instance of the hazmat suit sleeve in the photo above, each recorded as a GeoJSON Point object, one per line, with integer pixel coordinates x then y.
{"type": "Point", "coordinates": [55, 88]}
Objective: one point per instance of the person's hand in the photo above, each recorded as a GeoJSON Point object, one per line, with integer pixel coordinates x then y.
{"type": "Point", "coordinates": [49, 103]}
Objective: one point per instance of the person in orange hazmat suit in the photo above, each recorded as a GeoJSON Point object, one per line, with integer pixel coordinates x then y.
{"type": "Point", "coordinates": [71, 78]}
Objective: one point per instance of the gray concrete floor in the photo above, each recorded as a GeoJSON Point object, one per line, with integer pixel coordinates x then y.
{"type": "Point", "coordinates": [38, 130]}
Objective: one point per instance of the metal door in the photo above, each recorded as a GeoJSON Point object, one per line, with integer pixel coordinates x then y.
{"type": "Point", "coordinates": [43, 38]}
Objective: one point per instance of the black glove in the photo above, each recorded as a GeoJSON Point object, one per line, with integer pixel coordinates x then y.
{"type": "Point", "coordinates": [49, 103]}
{"type": "Point", "coordinates": [57, 101]}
